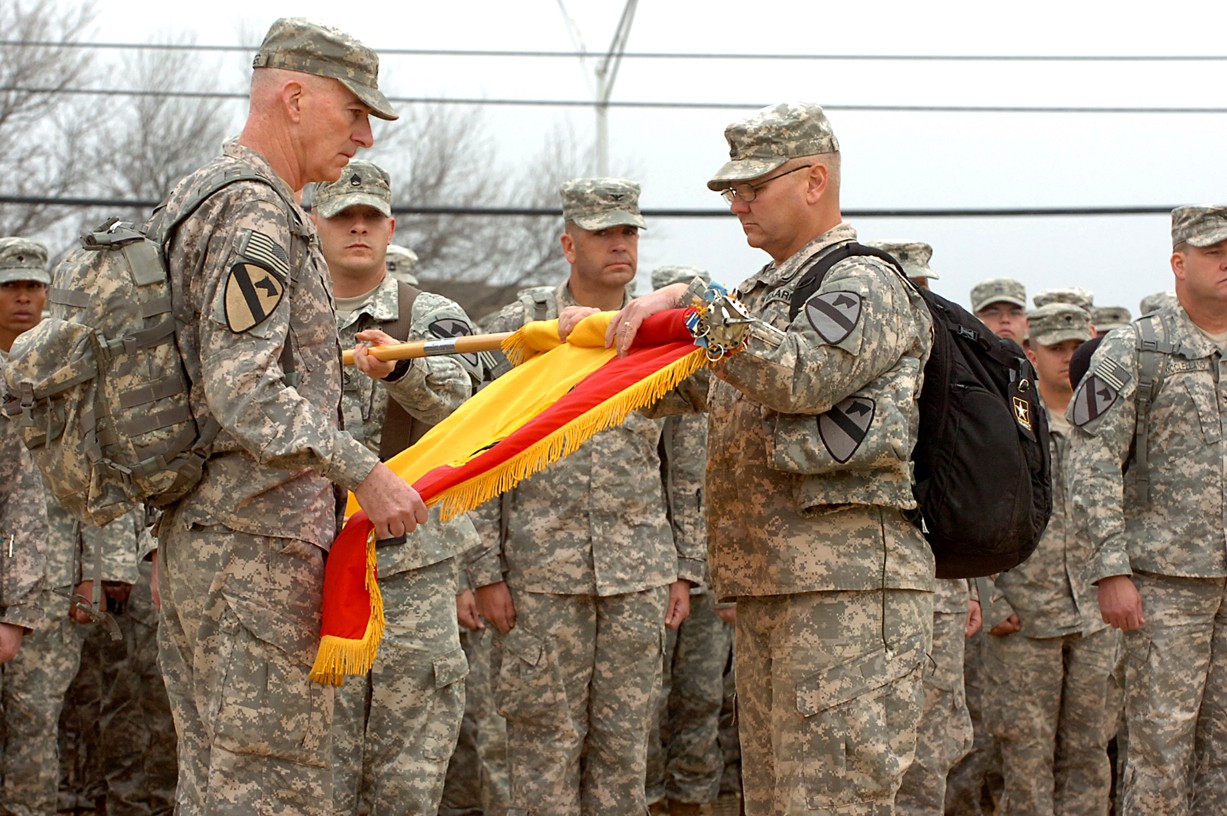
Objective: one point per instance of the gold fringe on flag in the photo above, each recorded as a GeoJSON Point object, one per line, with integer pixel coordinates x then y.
{"type": "Point", "coordinates": [339, 656]}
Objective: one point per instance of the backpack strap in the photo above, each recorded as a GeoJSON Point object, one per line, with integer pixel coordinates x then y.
{"type": "Point", "coordinates": [1153, 351]}
{"type": "Point", "coordinates": [400, 429]}
{"type": "Point", "coordinates": [816, 271]}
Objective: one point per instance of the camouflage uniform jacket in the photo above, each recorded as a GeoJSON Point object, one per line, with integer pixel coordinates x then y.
{"type": "Point", "coordinates": [780, 471]}
{"type": "Point", "coordinates": [1182, 530]}
{"type": "Point", "coordinates": [23, 532]}
{"type": "Point", "coordinates": [593, 523]}
{"type": "Point", "coordinates": [281, 449]}
{"type": "Point", "coordinates": [1050, 591]}
{"type": "Point", "coordinates": [430, 389]}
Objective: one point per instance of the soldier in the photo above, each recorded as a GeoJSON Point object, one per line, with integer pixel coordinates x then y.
{"type": "Point", "coordinates": [1147, 479]}
{"type": "Point", "coordinates": [1074, 296]}
{"type": "Point", "coordinates": [811, 427]}
{"type": "Point", "coordinates": [1155, 301]}
{"type": "Point", "coordinates": [684, 757]}
{"type": "Point", "coordinates": [401, 262]}
{"type": "Point", "coordinates": [580, 572]}
{"type": "Point", "coordinates": [944, 734]}
{"type": "Point", "coordinates": [241, 556]}
{"type": "Point", "coordinates": [1106, 318]}
{"type": "Point", "coordinates": [1049, 653]}
{"type": "Point", "coordinates": [395, 729]}
{"type": "Point", "coordinates": [1002, 304]}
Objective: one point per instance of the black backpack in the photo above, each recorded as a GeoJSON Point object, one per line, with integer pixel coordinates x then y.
{"type": "Point", "coordinates": [981, 462]}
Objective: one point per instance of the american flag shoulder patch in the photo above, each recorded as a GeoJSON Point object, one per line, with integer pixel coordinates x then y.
{"type": "Point", "coordinates": [257, 247]}
{"type": "Point", "coordinates": [1112, 373]}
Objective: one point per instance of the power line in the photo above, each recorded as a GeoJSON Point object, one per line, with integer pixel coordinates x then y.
{"type": "Point", "coordinates": [581, 103]}
{"type": "Point", "coordinates": [656, 55]}
{"type": "Point", "coordinates": [504, 212]}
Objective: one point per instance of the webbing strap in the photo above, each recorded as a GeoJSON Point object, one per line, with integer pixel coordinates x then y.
{"type": "Point", "coordinates": [1153, 349]}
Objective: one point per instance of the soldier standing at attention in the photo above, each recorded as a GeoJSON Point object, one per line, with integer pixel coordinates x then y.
{"type": "Point", "coordinates": [1147, 478]}
{"type": "Point", "coordinates": [810, 432]}
{"type": "Point", "coordinates": [395, 729]}
{"type": "Point", "coordinates": [580, 572]}
{"type": "Point", "coordinates": [241, 556]}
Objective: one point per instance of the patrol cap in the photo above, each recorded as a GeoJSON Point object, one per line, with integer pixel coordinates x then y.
{"type": "Point", "coordinates": [1107, 318]}
{"type": "Point", "coordinates": [665, 275]}
{"type": "Point", "coordinates": [1155, 301]}
{"type": "Point", "coordinates": [914, 256]}
{"type": "Point", "coordinates": [1082, 298]}
{"type": "Point", "coordinates": [361, 183]}
{"type": "Point", "coordinates": [601, 203]}
{"type": "Point", "coordinates": [1057, 322]}
{"type": "Point", "coordinates": [771, 137]}
{"type": "Point", "coordinates": [1199, 226]}
{"type": "Point", "coordinates": [296, 44]}
{"type": "Point", "coordinates": [998, 290]}
{"type": "Point", "coordinates": [400, 262]}
{"type": "Point", "coordinates": [23, 260]}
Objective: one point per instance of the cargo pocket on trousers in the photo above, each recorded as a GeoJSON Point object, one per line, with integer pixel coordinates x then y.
{"type": "Point", "coordinates": [527, 685]}
{"type": "Point", "coordinates": [450, 670]}
{"type": "Point", "coordinates": [855, 714]}
{"type": "Point", "coordinates": [268, 706]}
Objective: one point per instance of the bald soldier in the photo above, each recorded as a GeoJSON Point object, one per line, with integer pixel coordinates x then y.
{"type": "Point", "coordinates": [241, 556]}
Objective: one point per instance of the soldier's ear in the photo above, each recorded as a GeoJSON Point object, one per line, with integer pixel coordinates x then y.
{"type": "Point", "coordinates": [1178, 264]}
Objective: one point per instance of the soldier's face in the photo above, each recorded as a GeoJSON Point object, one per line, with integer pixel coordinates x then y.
{"type": "Point", "coordinates": [604, 259]}
{"type": "Point", "coordinates": [1005, 320]}
{"type": "Point", "coordinates": [21, 307]}
{"type": "Point", "coordinates": [355, 241]}
{"type": "Point", "coordinates": [1052, 362]}
{"type": "Point", "coordinates": [334, 124]}
{"type": "Point", "coordinates": [1201, 274]}
{"type": "Point", "coordinates": [776, 221]}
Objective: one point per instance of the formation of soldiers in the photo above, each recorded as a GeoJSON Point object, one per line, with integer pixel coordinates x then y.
{"type": "Point", "coordinates": [569, 647]}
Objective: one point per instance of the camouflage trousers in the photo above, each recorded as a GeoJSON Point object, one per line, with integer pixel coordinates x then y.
{"type": "Point", "coordinates": [476, 782]}
{"type": "Point", "coordinates": [981, 768]}
{"type": "Point", "coordinates": [394, 730]}
{"type": "Point", "coordinates": [577, 679]}
{"type": "Point", "coordinates": [1056, 709]}
{"type": "Point", "coordinates": [829, 695]}
{"type": "Point", "coordinates": [730, 740]}
{"type": "Point", "coordinates": [684, 757]}
{"type": "Point", "coordinates": [944, 734]}
{"type": "Point", "coordinates": [34, 685]}
{"type": "Point", "coordinates": [1176, 699]}
{"type": "Point", "coordinates": [239, 631]}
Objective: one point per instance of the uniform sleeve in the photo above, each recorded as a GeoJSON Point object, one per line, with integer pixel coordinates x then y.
{"type": "Point", "coordinates": [248, 253]}
{"type": "Point", "coordinates": [1103, 417]}
{"type": "Point", "coordinates": [121, 546]}
{"type": "Point", "coordinates": [435, 386]}
{"type": "Point", "coordinates": [23, 533]}
{"type": "Point", "coordinates": [853, 330]}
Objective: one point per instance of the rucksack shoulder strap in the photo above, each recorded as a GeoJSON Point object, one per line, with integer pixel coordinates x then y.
{"type": "Point", "coordinates": [1153, 348]}
{"type": "Point", "coordinates": [815, 272]}
{"type": "Point", "coordinates": [400, 429]}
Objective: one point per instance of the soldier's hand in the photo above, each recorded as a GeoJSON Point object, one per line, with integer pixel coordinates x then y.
{"type": "Point", "coordinates": [495, 604]}
{"type": "Point", "coordinates": [625, 324]}
{"type": "Point", "coordinates": [975, 619]}
{"type": "Point", "coordinates": [1007, 627]}
{"type": "Point", "coordinates": [10, 641]}
{"type": "Point", "coordinates": [466, 611]}
{"type": "Point", "coordinates": [1120, 603]}
{"type": "Point", "coordinates": [678, 608]}
{"type": "Point", "coordinates": [117, 590]}
{"type": "Point", "coordinates": [569, 318]}
{"type": "Point", "coordinates": [86, 590]}
{"type": "Point", "coordinates": [364, 362]}
{"type": "Point", "coordinates": [728, 614]}
{"type": "Point", "coordinates": [393, 507]}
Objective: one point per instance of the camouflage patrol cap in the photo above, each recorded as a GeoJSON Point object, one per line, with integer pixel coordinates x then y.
{"type": "Point", "coordinates": [600, 203]}
{"type": "Point", "coordinates": [1155, 301]}
{"type": "Point", "coordinates": [998, 290]}
{"type": "Point", "coordinates": [23, 260]}
{"type": "Point", "coordinates": [1107, 318]}
{"type": "Point", "coordinates": [1057, 322]}
{"type": "Point", "coordinates": [400, 262]}
{"type": "Point", "coordinates": [665, 275]}
{"type": "Point", "coordinates": [1199, 226]}
{"type": "Point", "coordinates": [1082, 298]}
{"type": "Point", "coordinates": [296, 44]}
{"type": "Point", "coordinates": [771, 137]}
{"type": "Point", "coordinates": [913, 255]}
{"type": "Point", "coordinates": [361, 183]}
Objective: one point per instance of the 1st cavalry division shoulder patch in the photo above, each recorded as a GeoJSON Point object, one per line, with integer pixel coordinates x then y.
{"type": "Point", "coordinates": [255, 285]}
{"type": "Point", "coordinates": [1099, 391]}
{"type": "Point", "coordinates": [834, 314]}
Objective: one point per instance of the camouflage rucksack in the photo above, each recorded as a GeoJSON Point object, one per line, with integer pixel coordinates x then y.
{"type": "Point", "coordinates": [98, 389]}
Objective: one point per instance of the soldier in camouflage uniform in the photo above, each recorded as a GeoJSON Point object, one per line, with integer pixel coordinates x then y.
{"type": "Point", "coordinates": [580, 572]}
{"type": "Point", "coordinates": [810, 431]}
{"type": "Point", "coordinates": [944, 734]}
{"type": "Point", "coordinates": [1147, 479]}
{"type": "Point", "coordinates": [401, 261]}
{"type": "Point", "coordinates": [1050, 658]}
{"type": "Point", "coordinates": [241, 556]}
{"type": "Point", "coordinates": [1073, 295]}
{"type": "Point", "coordinates": [1106, 318]}
{"type": "Point", "coordinates": [395, 729]}
{"type": "Point", "coordinates": [684, 757]}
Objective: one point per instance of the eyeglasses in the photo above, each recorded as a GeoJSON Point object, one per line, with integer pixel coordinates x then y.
{"type": "Point", "coordinates": [747, 192]}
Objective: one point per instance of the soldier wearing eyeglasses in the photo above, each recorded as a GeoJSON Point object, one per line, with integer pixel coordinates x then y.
{"type": "Point", "coordinates": [811, 425]}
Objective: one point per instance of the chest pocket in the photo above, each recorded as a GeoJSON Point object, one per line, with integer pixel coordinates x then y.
{"type": "Point", "coordinates": [1186, 414]}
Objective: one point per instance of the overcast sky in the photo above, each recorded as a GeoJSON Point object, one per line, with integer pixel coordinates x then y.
{"type": "Point", "coordinates": [892, 159]}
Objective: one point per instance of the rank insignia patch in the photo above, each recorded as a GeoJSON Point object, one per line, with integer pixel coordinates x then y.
{"type": "Point", "coordinates": [251, 294]}
{"type": "Point", "coordinates": [843, 428]}
{"type": "Point", "coordinates": [834, 314]}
